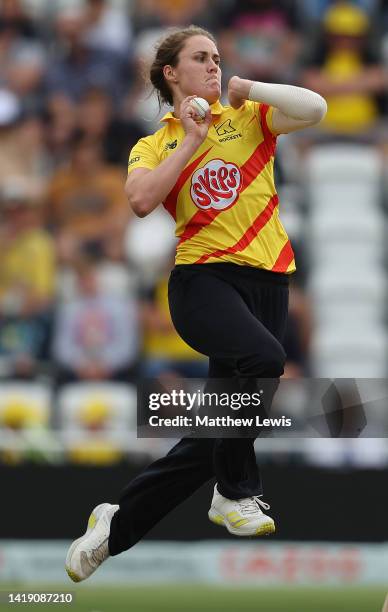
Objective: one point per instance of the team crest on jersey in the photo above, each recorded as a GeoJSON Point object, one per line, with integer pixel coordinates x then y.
{"type": "Point", "coordinates": [225, 128]}
{"type": "Point", "coordinates": [216, 185]}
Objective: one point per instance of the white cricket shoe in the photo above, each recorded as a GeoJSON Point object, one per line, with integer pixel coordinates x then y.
{"type": "Point", "coordinates": [241, 517]}
{"type": "Point", "coordinates": [87, 553]}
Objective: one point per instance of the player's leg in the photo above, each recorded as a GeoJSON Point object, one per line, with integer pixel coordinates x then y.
{"type": "Point", "coordinates": [212, 316]}
{"type": "Point", "coordinates": [269, 303]}
{"type": "Point", "coordinates": [144, 502]}
{"type": "Point", "coordinates": [175, 477]}
{"type": "Point", "coordinates": [190, 463]}
{"type": "Point", "coordinates": [162, 486]}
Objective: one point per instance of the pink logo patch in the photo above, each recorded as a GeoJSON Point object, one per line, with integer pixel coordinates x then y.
{"type": "Point", "coordinates": [216, 185]}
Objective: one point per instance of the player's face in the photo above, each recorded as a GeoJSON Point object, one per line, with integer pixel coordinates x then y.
{"type": "Point", "coordinates": [198, 70]}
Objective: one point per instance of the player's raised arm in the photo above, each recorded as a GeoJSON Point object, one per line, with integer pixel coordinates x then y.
{"type": "Point", "coordinates": [146, 188]}
{"type": "Point", "coordinates": [295, 108]}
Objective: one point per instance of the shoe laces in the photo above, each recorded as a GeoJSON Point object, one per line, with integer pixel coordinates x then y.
{"type": "Point", "coordinates": [251, 505]}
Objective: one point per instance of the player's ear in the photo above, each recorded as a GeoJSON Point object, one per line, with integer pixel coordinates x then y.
{"type": "Point", "coordinates": [169, 74]}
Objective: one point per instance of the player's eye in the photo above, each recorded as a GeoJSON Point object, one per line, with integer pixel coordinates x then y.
{"type": "Point", "coordinates": [203, 58]}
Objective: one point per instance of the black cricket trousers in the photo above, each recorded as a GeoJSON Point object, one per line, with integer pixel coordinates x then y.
{"type": "Point", "coordinates": [237, 316]}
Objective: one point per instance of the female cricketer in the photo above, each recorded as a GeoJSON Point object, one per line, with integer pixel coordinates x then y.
{"type": "Point", "coordinates": [228, 292]}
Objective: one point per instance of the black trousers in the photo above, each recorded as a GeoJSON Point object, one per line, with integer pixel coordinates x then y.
{"type": "Point", "coordinates": [237, 316]}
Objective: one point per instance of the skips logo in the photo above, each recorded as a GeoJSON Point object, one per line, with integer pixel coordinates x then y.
{"type": "Point", "coordinates": [216, 185]}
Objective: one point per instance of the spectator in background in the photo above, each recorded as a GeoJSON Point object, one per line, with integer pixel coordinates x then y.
{"type": "Point", "coordinates": [150, 14]}
{"type": "Point", "coordinates": [27, 281]}
{"type": "Point", "coordinates": [181, 12]}
{"type": "Point", "coordinates": [261, 41]}
{"type": "Point", "coordinates": [313, 11]}
{"type": "Point", "coordinates": [96, 332]}
{"type": "Point", "coordinates": [164, 351]}
{"type": "Point", "coordinates": [97, 120]}
{"type": "Point", "coordinates": [86, 204]}
{"type": "Point", "coordinates": [346, 72]}
{"type": "Point", "coordinates": [61, 124]}
{"type": "Point", "coordinates": [382, 16]}
{"type": "Point", "coordinates": [22, 148]}
{"type": "Point", "coordinates": [25, 75]}
{"type": "Point", "coordinates": [107, 27]}
{"type": "Point", "coordinates": [10, 145]}
{"type": "Point", "coordinates": [76, 66]}
{"type": "Point", "coordinates": [13, 13]}
{"type": "Point", "coordinates": [22, 55]}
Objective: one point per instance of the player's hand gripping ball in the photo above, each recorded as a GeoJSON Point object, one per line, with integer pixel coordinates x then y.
{"type": "Point", "coordinates": [201, 106]}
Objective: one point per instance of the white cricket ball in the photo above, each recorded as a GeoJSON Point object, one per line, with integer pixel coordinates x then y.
{"type": "Point", "coordinates": [200, 105]}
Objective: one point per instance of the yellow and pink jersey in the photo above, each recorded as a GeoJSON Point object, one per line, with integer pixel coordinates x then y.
{"type": "Point", "coordinates": [224, 202]}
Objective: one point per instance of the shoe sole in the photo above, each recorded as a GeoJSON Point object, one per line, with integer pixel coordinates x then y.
{"type": "Point", "coordinates": [265, 529]}
{"type": "Point", "coordinates": [92, 522]}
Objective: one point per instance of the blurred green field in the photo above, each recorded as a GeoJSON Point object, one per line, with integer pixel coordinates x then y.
{"type": "Point", "coordinates": [211, 599]}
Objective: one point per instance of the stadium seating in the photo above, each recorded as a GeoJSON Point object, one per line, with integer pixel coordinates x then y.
{"type": "Point", "coordinates": [347, 276]}
{"type": "Point", "coordinates": [97, 421]}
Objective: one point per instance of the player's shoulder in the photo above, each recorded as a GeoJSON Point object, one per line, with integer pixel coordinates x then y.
{"type": "Point", "coordinates": [149, 140]}
{"type": "Point", "coordinates": [153, 141]}
{"type": "Point", "coordinates": [148, 151]}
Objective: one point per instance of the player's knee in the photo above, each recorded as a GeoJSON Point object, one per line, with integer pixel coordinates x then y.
{"type": "Point", "coordinates": [274, 362]}
{"type": "Point", "coordinates": [270, 365]}
{"type": "Point", "coordinates": [274, 369]}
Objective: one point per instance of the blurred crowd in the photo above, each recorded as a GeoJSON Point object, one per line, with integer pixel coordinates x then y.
{"type": "Point", "coordinates": [82, 281]}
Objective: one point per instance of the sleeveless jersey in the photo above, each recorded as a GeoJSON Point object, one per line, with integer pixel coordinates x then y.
{"type": "Point", "coordinates": [224, 202]}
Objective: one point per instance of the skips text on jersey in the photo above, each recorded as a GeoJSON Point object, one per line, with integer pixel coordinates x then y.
{"type": "Point", "coordinates": [216, 185]}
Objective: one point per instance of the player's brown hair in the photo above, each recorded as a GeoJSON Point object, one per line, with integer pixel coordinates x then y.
{"type": "Point", "coordinates": [167, 53]}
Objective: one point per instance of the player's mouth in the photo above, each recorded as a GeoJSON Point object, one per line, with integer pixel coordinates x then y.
{"type": "Point", "coordinates": [212, 81]}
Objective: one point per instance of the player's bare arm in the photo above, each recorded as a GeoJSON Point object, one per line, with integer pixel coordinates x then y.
{"type": "Point", "coordinates": [295, 107]}
{"type": "Point", "coordinates": [146, 188]}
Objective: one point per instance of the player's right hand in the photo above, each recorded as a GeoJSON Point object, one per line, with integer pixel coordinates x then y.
{"type": "Point", "coordinates": [192, 124]}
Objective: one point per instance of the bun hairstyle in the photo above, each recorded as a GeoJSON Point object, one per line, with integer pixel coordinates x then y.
{"type": "Point", "coordinates": [167, 53]}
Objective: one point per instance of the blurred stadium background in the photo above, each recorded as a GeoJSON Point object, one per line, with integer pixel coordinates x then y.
{"type": "Point", "coordinates": [83, 310]}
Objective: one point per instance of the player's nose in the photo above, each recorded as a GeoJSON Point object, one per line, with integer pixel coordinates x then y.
{"type": "Point", "coordinates": [212, 66]}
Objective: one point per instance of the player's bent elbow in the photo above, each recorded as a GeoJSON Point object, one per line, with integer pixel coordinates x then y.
{"type": "Point", "coordinates": [142, 212]}
{"type": "Point", "coordinates": [141, 205]}
{"type": "Point", "coordinates": [138, 200]}
{"type": "Point", "coordinates": [139, 213]}
{"type": "Point", "coordinates": [140, 208]}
